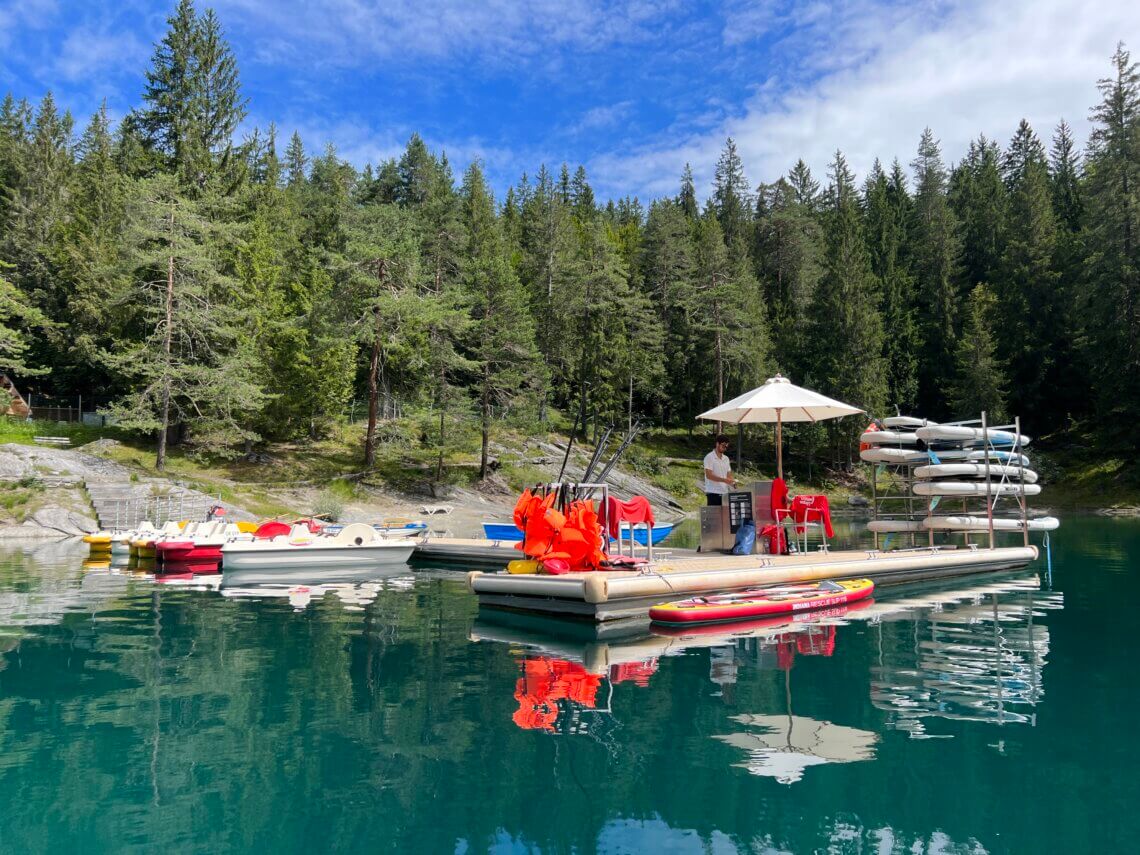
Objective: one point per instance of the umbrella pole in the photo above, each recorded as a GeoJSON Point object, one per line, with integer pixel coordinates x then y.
{"type": "Point", "coordinates": [779, 445]}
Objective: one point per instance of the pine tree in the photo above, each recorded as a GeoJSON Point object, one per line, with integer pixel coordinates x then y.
{"type": "Point", "coordinates": [978, 384]}
{"type": "Point", "coordinates": [295, 162]}
{"type": "Point", "coordinates": [687, 198]}
{"type": "Point", "coordinates": [503, 348]}
{"type": "Point", "coordinates": [934, 251]}
{"type": "Point", "coordinates": [1028, 285]}
{"type": "Point", "coordinates": [193, 98]}
{"type": "Point", "coordinates": [582, 196]}
{"type": "Point", "coordinates": [732, 199]}
{"type": "Point", "coordinates": [667, 268]}
{"type": "Point", "coordinates": [187, 366]}
{"type": "Point", "coordinates": [1112, 167]}
{"type": "Point", "coordinates": [979, 198]}
{"type": "Point", "coordinates": [787, 253]}
{"type": "Point", "coordinates": [847, 335]}
{"type": "Point", "coordinates": [17, 319]}
{"type": "Point", "coordinates": [887, 205]}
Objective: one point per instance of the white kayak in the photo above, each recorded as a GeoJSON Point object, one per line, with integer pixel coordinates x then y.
{"type": "Point", "coordinates": [997, 471]}
{"type": "Point", "coordinates": [962, 433]}
{"type": "Point", "coordinates": [906, 422]}
{"type": "Point", "coordinates": [974, 523]}
{"type": "Point", "coordinates": [889, 437]}
{"type": "Point", "coordinates": [893, 456]}
{"type": "Point", "coordinates": [973, 488]}
{"type": "Point", "coordinates": [893, 526]}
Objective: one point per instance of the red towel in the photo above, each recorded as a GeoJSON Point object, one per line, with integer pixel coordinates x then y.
{"type": "Point", "coordinates": [807, 509]}
{"type": "Point", "coordinates": [636, 510]}
{"type": "Point", "coordinates": [779, 497]}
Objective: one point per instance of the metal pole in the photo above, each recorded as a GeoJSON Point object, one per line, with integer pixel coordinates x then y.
{"type": "Point", "coordinates": [779, 444]}
{"type": "Point", "coordinates": [986, 458]}
{"type": "Point", "coordinates": [1021, 479]}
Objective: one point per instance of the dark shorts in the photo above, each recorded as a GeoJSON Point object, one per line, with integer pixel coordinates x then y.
{"type": "Point", "coordinates": [715, 498]}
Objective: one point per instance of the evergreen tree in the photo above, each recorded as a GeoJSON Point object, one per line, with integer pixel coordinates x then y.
{"type": "Point", "coordinates": [187, 365]}
{"type": "Point", "coordinates": [1113, 210]}
{"type": "Point", "coordinates": [978, 374]}
{"type": "Point", "coordinates": [934, 251]}
{"type": "Point", "coordinates": [503, 349]}
{"type": "Point", "coordinates": [1028, 285]}
{"type": "Point", "coordinates": [887, 205]}
{"type": "Point", "coordinates": [582, 196]}
{"type": "Point", "coordinates": [295, 162]}
{"type": "Point", "coordinates": [732, 199]}
{"type": "Point", "coordinates": [688, 196]}
{"type": "Point", "coordinates": [17, 318]}
{"type": "Point", "coordinates": [979, 198]}
{"type": "Point", "coordinates": [193, 97]}
{"type": "Point", "coordinates": [847, 338]}
{"type": "Point", "coordinates": [667, 268]}
{"type": "Point", "coordinates": [787, 252]}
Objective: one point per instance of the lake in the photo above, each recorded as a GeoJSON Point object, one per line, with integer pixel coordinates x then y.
{"type": "Point", "coordinates": [991, 714]}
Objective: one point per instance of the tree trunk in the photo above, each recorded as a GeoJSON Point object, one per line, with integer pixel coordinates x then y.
{"type": "Point", "coordinates": [373, 398]}
{"type": "Point", "coordinates": [485, 412]}
{"type": "Point", "coordinates": [164, 417]}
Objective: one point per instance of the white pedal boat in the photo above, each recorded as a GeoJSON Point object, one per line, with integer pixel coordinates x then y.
{"type": "Point", "coordinates": [975, 523]}
{"type": "Point", "coordinates": [356, 545]}
{"type": "Point", "coordinates": [997, 471]}
{"type": "Point", "coordinates": [961, 433]}
{"type": "Point", "coordinates": [973, 488]}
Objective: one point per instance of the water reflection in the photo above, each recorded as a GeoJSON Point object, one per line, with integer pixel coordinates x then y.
{"type": "Point", "coordinates": [783, 746]}
{"type": "Point", "coordinates": [975, 654]}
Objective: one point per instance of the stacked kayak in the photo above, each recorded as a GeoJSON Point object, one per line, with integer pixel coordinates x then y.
{"type": "Point", "coordinates": [761, 602]}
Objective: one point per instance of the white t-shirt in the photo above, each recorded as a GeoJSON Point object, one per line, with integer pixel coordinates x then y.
{"type": "Point", "coordinates": [719, 466]}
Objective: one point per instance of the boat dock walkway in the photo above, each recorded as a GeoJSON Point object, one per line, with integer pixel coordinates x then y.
{"type": "Point", "coordinates": [612, 595]}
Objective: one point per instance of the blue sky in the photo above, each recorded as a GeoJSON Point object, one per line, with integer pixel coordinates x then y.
{"type": "Point", "coordinates": [632, 89]}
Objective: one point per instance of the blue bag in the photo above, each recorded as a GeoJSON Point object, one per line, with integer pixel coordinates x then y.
{"type": "Point", "coordinates": [745, 538]}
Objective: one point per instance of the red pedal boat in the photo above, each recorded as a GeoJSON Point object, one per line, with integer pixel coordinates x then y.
{"type": "Point", "coordinates": [761, 602]}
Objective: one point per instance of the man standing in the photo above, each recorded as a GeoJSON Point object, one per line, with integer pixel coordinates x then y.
{"type": "Point", "coordinates": [718, 471]}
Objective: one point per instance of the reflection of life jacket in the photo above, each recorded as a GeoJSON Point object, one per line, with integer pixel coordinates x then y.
{"type": "Point", "coordinates": [544, 682]}
{"type": "Point", "coordinates": [817, 641]}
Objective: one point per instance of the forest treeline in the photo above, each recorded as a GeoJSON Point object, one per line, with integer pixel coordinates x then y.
{"type": "Point", "coordinates": [250, 289]}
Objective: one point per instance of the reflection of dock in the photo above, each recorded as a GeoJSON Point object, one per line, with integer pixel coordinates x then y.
{"type": "Point", "coordinates": [978, 657]}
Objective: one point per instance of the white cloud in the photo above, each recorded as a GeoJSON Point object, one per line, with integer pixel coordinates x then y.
{"type": "Point", "coordinates": [498, 32]}
{"type": "Point", "coordinates": [979, 68]}
{"type": "Point", "coordinates": [89, 52]}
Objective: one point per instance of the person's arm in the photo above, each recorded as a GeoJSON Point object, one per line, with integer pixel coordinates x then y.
{"type": "Point", "coordinates": [727, 479]}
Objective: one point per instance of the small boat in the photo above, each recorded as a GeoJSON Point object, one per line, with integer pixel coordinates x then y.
{"type": "Point", "coordinates": [977, 523]}
{"type": "Point", "coordinates": [961, 433]}
{"type": "Point", "coordinates": [974, 488]}
{"type": "Point", "coordinates": [355, 545]}
{"type": "Point", "coordinates": [996, 471]}
{"type": "Point", "coordinates": [389, 529]}
{"type": "Point", "coordinates": [508, 532]}
{"type": "Point", "coordinates": [761, 602]}
{"type": "Point", "coordinates": [204, 545]}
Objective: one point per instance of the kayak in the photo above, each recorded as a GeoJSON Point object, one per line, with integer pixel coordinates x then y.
{"type": "Point", "coordinates": [761, 602]}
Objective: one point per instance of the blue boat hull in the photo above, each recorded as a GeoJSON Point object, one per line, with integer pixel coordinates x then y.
{"type": "Point", "coordinates": [507, 531]}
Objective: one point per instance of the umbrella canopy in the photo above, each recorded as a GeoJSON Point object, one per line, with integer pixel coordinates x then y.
{"type": "Point", "coordinates": [779, 401]}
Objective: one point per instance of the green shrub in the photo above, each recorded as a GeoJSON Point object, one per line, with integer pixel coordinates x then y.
{"type": "Point", "coordinates": [329, 506]}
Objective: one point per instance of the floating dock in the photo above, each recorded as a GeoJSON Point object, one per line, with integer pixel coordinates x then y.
{"type": "Point", "coordinates": [613, 595]}
{"type": "Point", "coordinates": [467, 551]}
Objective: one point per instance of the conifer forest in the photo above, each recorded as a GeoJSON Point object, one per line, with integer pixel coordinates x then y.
{"type": "Point", "coordinates": [248, 289]}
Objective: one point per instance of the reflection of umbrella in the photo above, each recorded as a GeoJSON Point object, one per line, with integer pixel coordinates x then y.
{"type": "Point", "coordinates": [779, 401]}
{"type": "Point", "coordinates": [788, 744]}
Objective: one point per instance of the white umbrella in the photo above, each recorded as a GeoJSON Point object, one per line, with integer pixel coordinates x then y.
{"type": "Point", "coordinates": [779, 401]}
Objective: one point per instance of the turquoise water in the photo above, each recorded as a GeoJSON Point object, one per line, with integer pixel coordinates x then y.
{"type": "Point", "coordinates": [987, 715]}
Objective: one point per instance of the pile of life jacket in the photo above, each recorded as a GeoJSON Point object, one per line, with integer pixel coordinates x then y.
{"type": "Point", "coordinates": [569, 542]}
